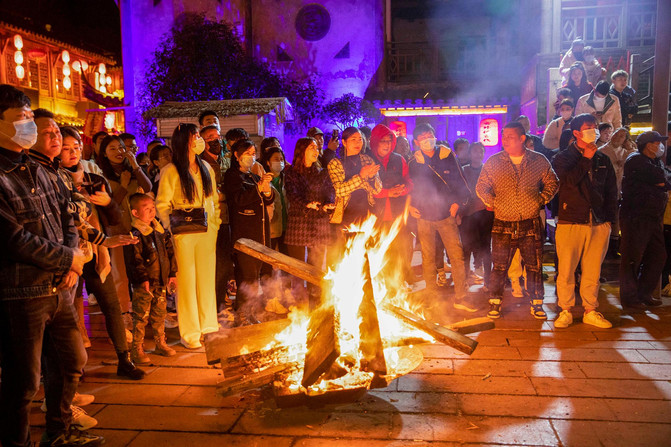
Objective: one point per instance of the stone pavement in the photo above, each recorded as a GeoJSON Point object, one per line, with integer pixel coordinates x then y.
{"type": "Point", "coordinates": [526, 384]}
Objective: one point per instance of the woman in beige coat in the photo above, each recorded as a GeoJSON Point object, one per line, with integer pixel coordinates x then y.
{"type": "Point", "coordinates": [185, 184]}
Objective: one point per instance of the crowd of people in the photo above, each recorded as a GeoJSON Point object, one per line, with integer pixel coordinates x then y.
{"type": "Point", "coordinates": [144, 232]}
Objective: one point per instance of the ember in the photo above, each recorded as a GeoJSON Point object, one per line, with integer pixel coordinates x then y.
{"type": "Point", "coordinates": [360, 338]}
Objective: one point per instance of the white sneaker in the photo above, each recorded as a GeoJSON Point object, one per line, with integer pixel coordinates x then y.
{"type": "Point", "coordinates": [273, 305]}
{"type": "Point", "coordinates": [79, 399]}
{"type": "Point", "coordinates": [517, 289]}
{"type": "Point", "coordinates": [92, 300]}
{"type": "Point", "coordinates": [171, 321]}
{"type": "Point", "coordinates": [596, 319]}
{"type": "Point", "coordinates": [81, 420]}
{"type": "Point", "coordinates": [565, 319]}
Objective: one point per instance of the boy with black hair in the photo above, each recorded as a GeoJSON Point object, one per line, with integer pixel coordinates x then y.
{"type": "Point", "coordinates": [208, 118]}
{"type": "Point", "coordinates": [152, 269]}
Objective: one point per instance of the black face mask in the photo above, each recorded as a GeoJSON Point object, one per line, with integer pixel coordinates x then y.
{"type": "Point", "coordinates": [578, 55]}
{"type": "Point", "coordinates": [215, 146]}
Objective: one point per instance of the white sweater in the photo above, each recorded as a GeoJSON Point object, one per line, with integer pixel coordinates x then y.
{"type": "Point", "coordinates": [170, 196]}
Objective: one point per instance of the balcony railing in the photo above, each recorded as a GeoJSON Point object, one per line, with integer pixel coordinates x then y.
{"type": "Point", "coordinates": [415, 62]}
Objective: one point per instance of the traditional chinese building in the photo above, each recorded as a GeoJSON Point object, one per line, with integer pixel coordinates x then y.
{"type": "Point", "coordinates": [82, 88]}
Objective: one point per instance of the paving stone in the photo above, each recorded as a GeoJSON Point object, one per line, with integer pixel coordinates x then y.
{"type": "Point", "coordinates": [583, 344]}
{"type": "Point", "coordinates": [626, 371]}
{"type": "Point", "coordinates": [170, 439]}
{"type": "Point", "coordinates": [136, 393]}
{"type": "Point", "coordinates": [582, 355]}
{"type": "Point", "coordinates": [638, 410]}
{"type": "Point", "coordinates": [633, 389]}
{"type": "Point", "coordinates": [311, 442]}
{"type": "Point", "coordinates": [466, 384]}
{"type": "Point", "coordinates": [36, 416]}
{"type": "Point", "coordinates": [159, 375]}
{"type": "Point", "coordinates": [435, 366]}
{"type": "Point", "coordinates": [476, 429]}
{"type": "Point", "coordinates": [206, 396]}
{"type": "Point", "coordinates": [612, 434]}
{"type": "Point", "coordinates": [303, 422]}
{"type": "Point", "coordinates": [516, 368]}
{"type": "Point", "coordinates": [656, 356]}
{"type": "Point", "coordinates": [405, 402]}
{"type": "Point", "coordinates": [535, 407]}
{"type": "Point", "coordinates": [189, 419]}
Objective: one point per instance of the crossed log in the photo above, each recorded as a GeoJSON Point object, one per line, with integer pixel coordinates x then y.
{"type": "Point", "coordinates": [237, 349]}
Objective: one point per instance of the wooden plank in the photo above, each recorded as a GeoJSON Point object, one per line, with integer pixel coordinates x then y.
{"type": "Point", "coordinates": [238, 384]}
{"type": "Point", "coordinates": [283, 262]}
{"type": "Point", "coordinates": [371, 346]}
{"type": "Point", "coordinates": [442, 334]}
{"type": "Point", "coordinates": [323, 347]}
{"type": "Point", "coordinates": [472, 325]}
{"type": "Point", "coordinates": [241, 340]}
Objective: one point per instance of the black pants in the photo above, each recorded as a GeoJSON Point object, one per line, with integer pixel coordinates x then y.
{"type": "Point", "coordinates": [315, 256]}
{"type": "Point", "coordinates": [643, 256]}
{"type": "Point", "coordinates": [27, 328]}
{"type": "Point", "coordinates": [108, 301]}
{"type": "Point", "coordinates": [224, 261]}
{"type": "Point", "coordinates": [476, 235]}
{"type": "Point", "coordinates": [667, 266]}
{"type": "Point", "coordinates": [247, 274]}
{"type": "Point", "coordinates": [527, 235]}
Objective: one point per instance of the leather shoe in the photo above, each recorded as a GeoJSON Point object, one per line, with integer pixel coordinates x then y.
{"type": "Point", "coordinates": [637, 305]}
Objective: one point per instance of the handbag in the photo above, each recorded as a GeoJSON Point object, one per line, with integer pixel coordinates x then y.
{"type": "Point", "coordinates": [187, 221]}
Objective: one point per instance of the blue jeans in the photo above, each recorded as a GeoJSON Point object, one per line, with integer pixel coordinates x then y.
{"type": "Point", "coordinates": [28, 328]}
{"type": "Point", "coordinates": [449, 234]}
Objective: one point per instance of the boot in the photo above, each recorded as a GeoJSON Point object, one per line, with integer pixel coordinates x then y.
{"type": "Point", "coordinates": [127, 368]}
{"type": "Point", "coordinates": [162, 347]}
{"type": "Point", "coordinates": [138, 356]}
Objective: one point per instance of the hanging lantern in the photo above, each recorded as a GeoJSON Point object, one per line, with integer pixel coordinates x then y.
{"type": "Point", "coordinates": [65, 56]}
{"type": "Point", "coordinates": [20, 72]}
{"type": "Point", "coordinates": [18, 57]}
{"type": "Point", "coordinates": [103, 89]}
{"type": "Point", "coordinates": [67, 83]}
{"type": "Point", "coordinates": [109, 80]}
{"type": "Point", "coordinates": [66, 70]}
{"type": "Point", "coordinates": [110, 121]}
{"type": "Point", "coordinates": [77, 66]}
{"type": "Point", "coordinates": [18, 42]}
{"type": "Point", "coordinates": [102, 69]}
{"type": "Point", "coordinates": [85, 65]}
{"type": "Point", "coordinates": [489, 132]}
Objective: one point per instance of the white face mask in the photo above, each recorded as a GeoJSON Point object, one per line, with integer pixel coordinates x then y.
{"type": "Point", "coordinates": [247, 161]}
{"type": "Point", "coordinates": [566, 115]}
{"type": "Point", "coordinates": [589, 136]}
{"type": "Point", "coordinates": [660, 150]}
{"type": "Point", "coordinates": [428, 145]}
{"type": "Point", "coordinates": [25, 133]}
{"type": "Point", "coordinates": [198, 146]}
{"type": "Point", "coordinates": [276, 167]}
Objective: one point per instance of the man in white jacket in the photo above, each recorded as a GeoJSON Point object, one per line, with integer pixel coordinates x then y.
{"type": "Point", "coordinates": [603, 105]}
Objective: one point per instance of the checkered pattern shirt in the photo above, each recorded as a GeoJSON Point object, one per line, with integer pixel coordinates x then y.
{"type": "Point", "coordinates": [345, 188]}
{"type": "Point", "coordinates": [516, 192]}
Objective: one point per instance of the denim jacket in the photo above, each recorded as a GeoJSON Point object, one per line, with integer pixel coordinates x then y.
{"type": "Point", "coordinates": [37, 234]}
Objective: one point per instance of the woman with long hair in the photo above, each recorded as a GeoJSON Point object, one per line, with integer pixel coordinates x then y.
{"type": "Point", "coordinates": [125, 177]}
{"type": "Point", "coordinates": [310, 198]}
{"type": "Point", "coordinates": [274, 162]}
{"type": "Point", "coordinates": [577, 82]}
{"type": "Point", "coordinates": [188, 183]}
{"type": "Point", "coordinates": [249, 196]}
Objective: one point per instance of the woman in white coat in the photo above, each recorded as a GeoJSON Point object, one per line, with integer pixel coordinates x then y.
{"type": "Point", "coordinates": [185, 184]}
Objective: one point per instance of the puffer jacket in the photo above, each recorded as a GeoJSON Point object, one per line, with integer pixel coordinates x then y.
{"type": "Point", "coordinates": [153, 257]}
{"type": "Point", "coordinates": [645, 187]}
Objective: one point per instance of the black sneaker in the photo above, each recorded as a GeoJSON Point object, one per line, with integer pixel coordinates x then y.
{"type": "Point", "coordinates": [72, 437]}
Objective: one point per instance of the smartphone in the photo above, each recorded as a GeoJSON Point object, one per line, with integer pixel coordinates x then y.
{"type": "Point", "coordinates": [335, 134]}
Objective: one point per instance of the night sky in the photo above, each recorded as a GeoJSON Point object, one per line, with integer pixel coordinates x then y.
{"type": "Point", "coordinates": [93, 25]}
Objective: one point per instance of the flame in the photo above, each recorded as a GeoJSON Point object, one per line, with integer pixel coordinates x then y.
{"type": "Point", "coordinates": [343, 289]}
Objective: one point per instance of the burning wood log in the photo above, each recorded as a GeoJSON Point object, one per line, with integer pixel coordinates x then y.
{"type": "Point", "coordinates": [472, 325]}
{"type": "Point", "coordinates": [241, 340]}
{"type": "Point", "coordinates": [240, 383]}
{"type": "Point", "coordinates": [281, 261]}
{"type": "Point", "coordinates": [442, 334]}
{"type": "Point", "coordinates": [371, 341]}
{"type": "Point", "coordinates": [322, 345]}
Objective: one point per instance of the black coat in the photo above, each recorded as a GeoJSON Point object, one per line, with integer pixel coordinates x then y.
{"type": "Point", "coordinates": [585, 184]}
{"type": "Point", "coordinates": [151, 259]}
{"type": "Point", "coordinates": [644, 187]}
{"type": "Point", "coordinates": [247, 206]}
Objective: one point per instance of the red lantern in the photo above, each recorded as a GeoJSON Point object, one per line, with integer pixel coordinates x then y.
{"type": "Point", "coordinates": [489, 132]}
